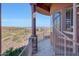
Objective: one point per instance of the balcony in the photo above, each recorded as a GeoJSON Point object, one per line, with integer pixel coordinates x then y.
{"type": "Point", "coordinates": [44, 49]}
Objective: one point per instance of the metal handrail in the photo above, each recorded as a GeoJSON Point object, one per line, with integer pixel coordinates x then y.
{"type": "Point", "coordinates": [22, 51]}
{"type": "Point", "coordinates": [67, 37]}
{"type": "Point", "coordinates": [29, 47]}
{"type": "Point", "coordinates": [29, 53]}
{"type": "Point", "coordinates": [59, 34]}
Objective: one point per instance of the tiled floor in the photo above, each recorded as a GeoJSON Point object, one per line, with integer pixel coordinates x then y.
{"type": "Point", "coordinates": [44, 48]}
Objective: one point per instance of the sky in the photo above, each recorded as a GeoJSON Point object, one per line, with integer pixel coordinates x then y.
{"type": "Point", "coordinates": [20, 15]}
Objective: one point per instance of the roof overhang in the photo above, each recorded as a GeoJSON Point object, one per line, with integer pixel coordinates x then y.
{"type": "Point", "coordinates": [43, 8]}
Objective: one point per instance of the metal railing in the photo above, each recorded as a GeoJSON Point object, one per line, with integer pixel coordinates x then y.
{"type": "Point", "coordinates": [63, 45]}
{"type": "Point", "coordinates": [27, 51]}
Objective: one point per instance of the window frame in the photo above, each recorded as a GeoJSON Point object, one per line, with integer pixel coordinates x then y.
{"type": "Point", "coordinates": [65, 21]}
{"type": "Point", "coordinates": [55, 17]}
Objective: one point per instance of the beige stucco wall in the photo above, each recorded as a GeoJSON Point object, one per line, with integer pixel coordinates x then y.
{"type": "Point", "coordinates": [60, 7]}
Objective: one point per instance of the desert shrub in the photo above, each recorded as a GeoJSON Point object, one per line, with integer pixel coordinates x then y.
{"type": "Point", "coordinates": [12, 52]}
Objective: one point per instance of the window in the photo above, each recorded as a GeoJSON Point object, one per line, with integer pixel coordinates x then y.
{"type": "Point", "coordinates": [57, 20]}
{"type": "Point", "coordinates": [69, 20]}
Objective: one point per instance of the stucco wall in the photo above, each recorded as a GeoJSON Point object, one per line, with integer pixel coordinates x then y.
{"type": "Point", "coordinates": [60, 7]}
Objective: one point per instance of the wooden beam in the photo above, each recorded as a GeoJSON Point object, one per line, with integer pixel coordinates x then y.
{"type": "Point", "coordinates": [43, 6]}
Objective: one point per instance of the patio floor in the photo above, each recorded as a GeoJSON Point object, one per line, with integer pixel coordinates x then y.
{"type": "Point", "coordinates": [44, 48]}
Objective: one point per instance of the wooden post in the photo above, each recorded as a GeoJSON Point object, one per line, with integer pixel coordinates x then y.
{"type": "Point", "coordinates": [33, 37]}
{"type": "Point", "coordinates": [74, 28]}
{"type": "Point", "coordinates": [33, 20]}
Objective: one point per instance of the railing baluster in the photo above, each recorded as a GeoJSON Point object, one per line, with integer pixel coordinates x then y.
{"type": "Point", "coordinates": [58, 35]}
{"type": "Point", "coordinates": [64, 47]}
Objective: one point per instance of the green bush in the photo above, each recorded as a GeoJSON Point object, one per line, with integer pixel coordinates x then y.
{"type": "Point", "coordinates": [11, 52]}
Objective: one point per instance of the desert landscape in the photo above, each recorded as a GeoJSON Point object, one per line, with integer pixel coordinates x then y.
{"type": "Point", "coordinates": [16, 37]}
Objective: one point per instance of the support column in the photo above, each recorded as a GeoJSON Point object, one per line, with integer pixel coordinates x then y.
{"type": "Point", "coordinates": [74, 28]}
{"type": "Point", "coordinates": [34, 36]}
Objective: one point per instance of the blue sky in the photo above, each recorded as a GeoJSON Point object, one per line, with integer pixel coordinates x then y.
{"type": "Point", "coordinates": [20, 15]}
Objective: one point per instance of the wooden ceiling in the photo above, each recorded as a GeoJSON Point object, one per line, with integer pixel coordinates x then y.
{"type": "Point", "coordinates": [43, 8]}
